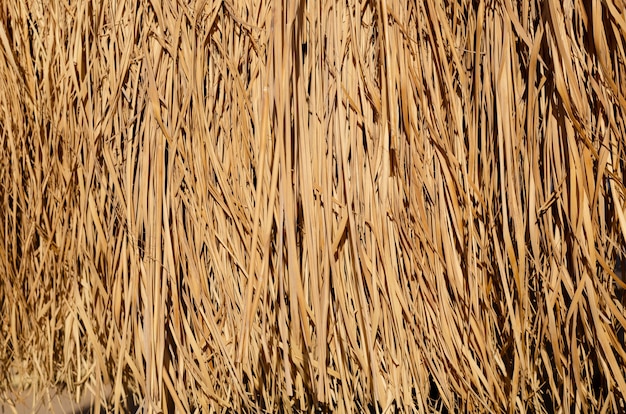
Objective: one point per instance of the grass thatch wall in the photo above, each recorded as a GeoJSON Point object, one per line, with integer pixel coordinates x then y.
{"type": "Point", "coordinates": [261, 204]}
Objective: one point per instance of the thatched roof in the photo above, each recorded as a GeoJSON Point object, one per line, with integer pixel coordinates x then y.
{"type": "Point", "coordinates": [264, 205]}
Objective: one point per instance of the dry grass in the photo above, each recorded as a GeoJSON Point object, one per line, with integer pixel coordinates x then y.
{"type": "Point", "coordinates": [252, 206]}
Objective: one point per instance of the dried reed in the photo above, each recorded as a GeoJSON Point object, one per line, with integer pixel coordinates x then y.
{"type": "Point", "coordinates": [263, 205]}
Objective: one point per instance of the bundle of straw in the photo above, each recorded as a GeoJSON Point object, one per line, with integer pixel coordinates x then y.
{"type": "Point", "coordinates": [350, 205]}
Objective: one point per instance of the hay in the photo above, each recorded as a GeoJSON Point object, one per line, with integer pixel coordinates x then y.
{"type": "Point", "coordinates": [263, 205]}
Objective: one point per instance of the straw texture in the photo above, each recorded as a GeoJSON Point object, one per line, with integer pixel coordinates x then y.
{"type": "Point", "coordinates": [252, 205]}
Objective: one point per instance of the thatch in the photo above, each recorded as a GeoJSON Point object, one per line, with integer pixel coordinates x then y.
{"type": "Point", "coordinates": [261, 205]}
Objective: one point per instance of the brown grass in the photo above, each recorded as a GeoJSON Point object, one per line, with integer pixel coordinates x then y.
{"type": "Point", "coordinates": [263, 205]}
